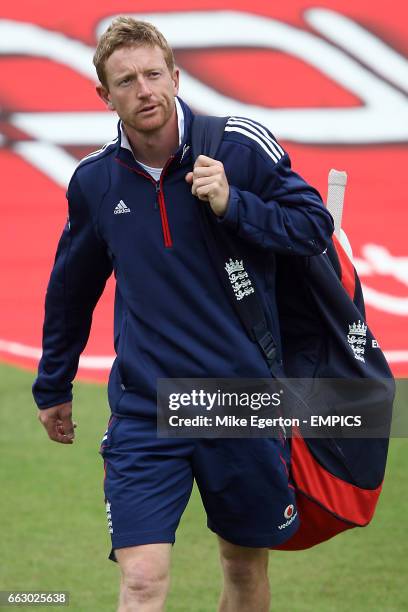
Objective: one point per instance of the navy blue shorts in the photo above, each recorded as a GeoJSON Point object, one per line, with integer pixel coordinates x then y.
{"type": "Point", "coordinates": [244, 485]}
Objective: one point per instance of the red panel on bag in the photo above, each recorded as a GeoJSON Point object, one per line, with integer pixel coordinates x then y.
{"type": "Point", "coordinates": [347, 269]}
{"type": "Point", "coordinates": [316, 525]}
{"type": "Point", "coordinates": [343, 499]}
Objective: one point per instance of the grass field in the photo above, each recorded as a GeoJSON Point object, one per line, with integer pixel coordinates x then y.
{"type": "Point", "coordinates": [54, 535]}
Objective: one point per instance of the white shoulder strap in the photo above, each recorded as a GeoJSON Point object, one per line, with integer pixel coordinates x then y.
{"type": "Point", "coordinates": [335, 197]}
{"type": "Point", "coordinates": [335, 202]}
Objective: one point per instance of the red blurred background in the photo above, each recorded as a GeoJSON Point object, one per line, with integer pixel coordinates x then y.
{"type": "Point", "coordinates": [328, 78]}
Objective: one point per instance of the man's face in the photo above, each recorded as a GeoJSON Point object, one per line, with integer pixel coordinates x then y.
{"type": "Point", "coordinates": [140, 87]}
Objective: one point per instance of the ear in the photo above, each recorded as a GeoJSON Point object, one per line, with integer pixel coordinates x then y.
{"type": "Point", "coordinates": [104, 95]}
{"type": "Point", "coordinates": [175, 78]}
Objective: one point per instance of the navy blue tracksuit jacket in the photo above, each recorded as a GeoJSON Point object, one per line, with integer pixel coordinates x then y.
{"type": "Point", "coordinates": [172, 316]}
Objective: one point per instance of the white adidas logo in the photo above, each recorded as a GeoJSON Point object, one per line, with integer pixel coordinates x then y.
{"type": "Point", "coordinates": [121, 208]}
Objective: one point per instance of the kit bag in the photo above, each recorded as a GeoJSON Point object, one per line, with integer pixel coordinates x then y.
{"type": "Point", "coordinates": [324, 336]}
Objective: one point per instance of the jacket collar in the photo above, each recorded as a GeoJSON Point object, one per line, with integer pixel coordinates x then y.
{"type": "Point", "coordinates": [182, 155]}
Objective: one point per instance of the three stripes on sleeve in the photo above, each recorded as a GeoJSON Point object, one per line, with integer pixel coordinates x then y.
{"type": "Point", "coordinates": [256, 132]}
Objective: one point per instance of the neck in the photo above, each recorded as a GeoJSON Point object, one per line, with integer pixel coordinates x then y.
{"type": "Point", "coordinates": [154, 148]}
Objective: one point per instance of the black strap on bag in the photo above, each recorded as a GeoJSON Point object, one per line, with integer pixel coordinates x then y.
{"type": "Point", "coordinates": [206, 137]}
{"type": "Point", "coordinates": [207, 134]}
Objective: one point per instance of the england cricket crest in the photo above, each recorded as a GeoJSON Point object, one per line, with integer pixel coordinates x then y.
{"type": "Point", "coordinates": [239, 279]}
{"type": "Point", "coordinates": [357, 338]}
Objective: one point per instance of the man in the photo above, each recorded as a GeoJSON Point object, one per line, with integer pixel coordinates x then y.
{"type": "Point", "coordinates": [132, 209]}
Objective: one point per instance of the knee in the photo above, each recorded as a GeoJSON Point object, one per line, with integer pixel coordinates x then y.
{"type": "Point", "coordinates": [243, 572]}
{"type": "Point", "coordinates": [144, 581]}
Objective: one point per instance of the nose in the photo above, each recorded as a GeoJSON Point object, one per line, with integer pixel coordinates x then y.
{"type": "Point", "coordinates": [144, 90]}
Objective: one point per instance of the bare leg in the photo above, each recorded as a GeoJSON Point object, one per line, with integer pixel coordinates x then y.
{"type": "Point", "coordinates": [246, 584]}
{"type": "Point", "coordinates": [145, 577]}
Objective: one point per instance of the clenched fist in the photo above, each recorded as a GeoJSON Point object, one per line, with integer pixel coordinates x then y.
{"type": "Point", "coordinates": [209, 183]}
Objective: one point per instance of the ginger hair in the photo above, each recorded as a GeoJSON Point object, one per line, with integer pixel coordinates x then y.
{"type": "Point", "coordinates": [126, 31]}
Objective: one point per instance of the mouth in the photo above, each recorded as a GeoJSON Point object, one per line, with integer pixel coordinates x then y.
{"type": "Point", "coordinates": [147, 109]}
